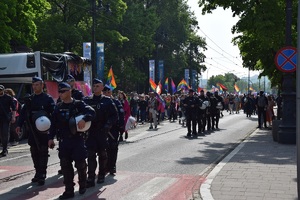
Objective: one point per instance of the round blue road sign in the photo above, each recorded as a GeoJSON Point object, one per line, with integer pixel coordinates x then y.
{"type": "Point", "coordinates": [286, 59]}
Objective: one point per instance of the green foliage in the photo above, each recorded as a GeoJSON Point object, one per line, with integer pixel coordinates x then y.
{"type": "Point", "coordinates": [261, 31]}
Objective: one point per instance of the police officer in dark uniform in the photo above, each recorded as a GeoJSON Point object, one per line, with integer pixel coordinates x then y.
{"type": "Point", "coordinates": [37, 104]}
{"type": "Point", "coordinates": [76, 94]}
{"type": "Point", "coordinates": [106, 117]}
{"type": "Point", "coordinates": [71, 139]}
{"type": "Point", "coordinates": [190, 103]}
{"type": "Point", "coordinates": [219, 105]}
{"type": "Point", "coordinates": [114, 134]}
{"type": "Point", "coordinates": [202, 112]}
{"type": "Point", "coordinates": [209, 111]}
{"type": "Point", "coordinates": [7, 115]}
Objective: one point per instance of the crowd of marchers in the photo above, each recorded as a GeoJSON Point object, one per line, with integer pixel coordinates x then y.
{"type": "Point", "coordinates": [88, 129]}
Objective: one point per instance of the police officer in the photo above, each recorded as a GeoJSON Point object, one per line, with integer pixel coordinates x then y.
{"type": "Point", "coordinates": [190, 103]}
{"type": "Point", "coordinates": [7, 116]}
{"type": "Point", "coordinates": [209, 111]}
{"type": "Point", "coordinates": [216, 111]}
{"type": "Point", "coordinates": [37, 104]}
{"type": "Point", "coordinates": [114, 134]}
{"type": "Point", "coordinates": [106, 117]}
{"type": "Point", "coordinates": [71, 139]}
{"type": "Point", "coordinates": [202, 112]}
{"type": "Point", "coordinates": [76, 94]}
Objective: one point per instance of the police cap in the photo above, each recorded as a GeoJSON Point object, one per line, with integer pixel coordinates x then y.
{"type": "Point", "coordinates": [95, 81]}
{"type": "Point", "coordinates": [191, 90]}
{"type": "Point", "coordinates": [1, 87]}
{"type": "Point", "coordinates": [36, 79]}
{"type": "Point", "coordinates": [63, 85]}
{"type": "Point", "coordinates": [106, 88]}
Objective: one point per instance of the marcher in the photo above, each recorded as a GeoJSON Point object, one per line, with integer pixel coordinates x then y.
{"type": "Point", "coordinates": [7, 116]}
{"type": "Point", "coordinates": [114, 134]}
{"type": "Point", "coordinates": [123, 99]}
{"type": "Point", "coordinates": [35, 106]}
{"type": "Point", "coordinates": [261, 105]}
{"type": "Point", "coordinates": [142, 104]}
{"type": "Point", "coordinates": [216, 111]}
{"type": "Point", "coordinates": [152, 104]}
{"type": "Point", "coordinates": [71, 139]}
{"type": "Point", "coordinates": [106, 117]}
{"type": "Point", "coordinates": [204, 111]}
{"type": "Point", "coordinates": [190, 103]}
{"type": "Point", "coordinates": [13, 135]}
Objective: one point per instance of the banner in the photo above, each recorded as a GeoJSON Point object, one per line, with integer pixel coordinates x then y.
{"type": "Point", "coordinates": [160, 70]}
{"type": "Point", "coordinates": [194, 79]}
{"type": "Point", "coordinates": [100, 60]}
{"type": "Point", "coordinates": [152, 70]}
{"type": "Point", "coordinates": [187, 75]}
{"type": "Point", "coordinates": [87, 50]}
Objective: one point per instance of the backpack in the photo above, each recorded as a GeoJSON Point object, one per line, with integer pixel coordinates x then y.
{"type": "Point", "coordinates": [261, 102]}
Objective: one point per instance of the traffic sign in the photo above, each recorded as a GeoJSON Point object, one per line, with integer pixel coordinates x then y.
{"type": "Point", "coordinates": [286, 59]}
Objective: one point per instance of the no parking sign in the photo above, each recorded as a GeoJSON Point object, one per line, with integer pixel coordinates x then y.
{"type": "Point", "coordinates": [286, 59]}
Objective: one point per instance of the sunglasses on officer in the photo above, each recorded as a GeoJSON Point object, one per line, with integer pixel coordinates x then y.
{"type": "Point", "coordinates": [62, 91]}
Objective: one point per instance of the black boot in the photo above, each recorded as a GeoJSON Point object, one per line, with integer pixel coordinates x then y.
{"type": "Point", "coordinates": [67, 195]}
{"type": "Point", "coordinates": [4, 153]}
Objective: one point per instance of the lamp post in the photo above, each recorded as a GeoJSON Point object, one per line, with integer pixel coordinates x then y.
{"type": "Point", "coordinates": [95, 9]}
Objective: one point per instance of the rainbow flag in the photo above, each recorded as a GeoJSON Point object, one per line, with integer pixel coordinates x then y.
{"type": "Point", "coordinates": [167, 85]}
{"type": "Point", "coordinates": [236, 88]}
{"type": "Point", "coordinates": [251, 88]}
{"type": "Point", "coordinates": [183, 84]}
{"type": "Point", "coordinates": [222, 87]}
{"type": "Point", "coordinates": [158, 88]}
{"type": "Point", "coordinates": [111, 79]}
{"type": "Point", "coordinates": [152, 85]}
{"type": "Point", "coordinates": [173, 86]}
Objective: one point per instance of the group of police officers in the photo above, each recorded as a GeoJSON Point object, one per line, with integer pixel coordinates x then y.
{"type": "Point", "coordinates": [68, 120]}
{"type": "Point", "coordinates": [203, 110]}
{"type": "Point", "coordinates": [103, 116]}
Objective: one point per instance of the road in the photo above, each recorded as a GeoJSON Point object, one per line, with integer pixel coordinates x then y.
{"type": "Point", "coordinates": [152, 164]}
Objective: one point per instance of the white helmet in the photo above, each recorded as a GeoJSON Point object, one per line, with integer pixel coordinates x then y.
{"type": "Point", "coordinates": [41, 121]}
{"type": "Point", "coordinates": [73, 124]}
{"type": "Point", "coordinates": [87, 124]}
{"type": "Point", "coordinates": [42, 124]}
{"type": "Point", "coordinates": [204, 105]}
{"type": "Point", "coordinates": [220, 106]}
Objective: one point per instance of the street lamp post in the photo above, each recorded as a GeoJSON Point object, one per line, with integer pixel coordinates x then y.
{"type": "Point", "coordinates": [95, 9]}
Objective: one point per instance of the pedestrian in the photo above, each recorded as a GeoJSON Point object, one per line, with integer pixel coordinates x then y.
{"type": "Point", "coordinates": [270, 110]}
{"type": "Point", "coordinates": [96, 143]}
{"type": "Point", "coordinates": [152, 104]}
{"type": "Point", "coordinates": [190, 103]}
{"type": "Point", "coordinates": [261, 105]}
{"type": "Point", "coordinates": [123, 99]}
{"type": "Point", "coordinates": [7, 116]}
{"type": "Point", "coordinates": [37, 106]}
{"type": "Point", "coordinates": [202, 112]}
{"type": "Point", "coordinates": [114, 134]}
{"type": "Point", "coordinates": [71, 139]}
{"type": "Point", "coordinates": [142, 104]}
{"type": "Point", "coordinates": [13, 135]}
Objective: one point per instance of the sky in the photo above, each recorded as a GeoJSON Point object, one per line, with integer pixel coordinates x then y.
{"type": "Point", "coordinates": [222, 56]}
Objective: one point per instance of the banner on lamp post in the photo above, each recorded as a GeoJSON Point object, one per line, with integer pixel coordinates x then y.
{"type": "Point", "coordinates": [194, 81]}
{"type": "Point", "coordinates": [152, 70]}
{"type": "Point", "coordinates": [100, 60]}
{"type": "Point", "coordinates": [87, 49]}
{"type": "Point", "coordinates": [187, 76]}
{"type": "Point", "coordinates": [160, 70]}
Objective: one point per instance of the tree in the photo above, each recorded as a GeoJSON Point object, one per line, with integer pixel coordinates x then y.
{"type": "Point", "coordinates": [261, 31]}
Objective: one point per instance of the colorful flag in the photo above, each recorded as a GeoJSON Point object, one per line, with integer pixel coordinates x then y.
{"type": "Point", "coordinates": [160, 99]}
{"type": "Point", "coordinates": [199, 89]}
{"type": "Point", "coordinates": [111, 79]}
{"type": "Point", "coordinates": [251, 88]}
{"type": "Point", "coordinates": [167, 85]}
{"type": "Point", "coordinates": [173, 86]}
{"type": "Point", "coordinates": [158, 88]}
{"type": "Point", "coordinates": [222, 87]}
{"type": "Point", "coordinates": [183, 84]}
{"type": "Point", "coordinates": [152, 85]}
{"type": "Point", "coordinates": [236, 88]}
